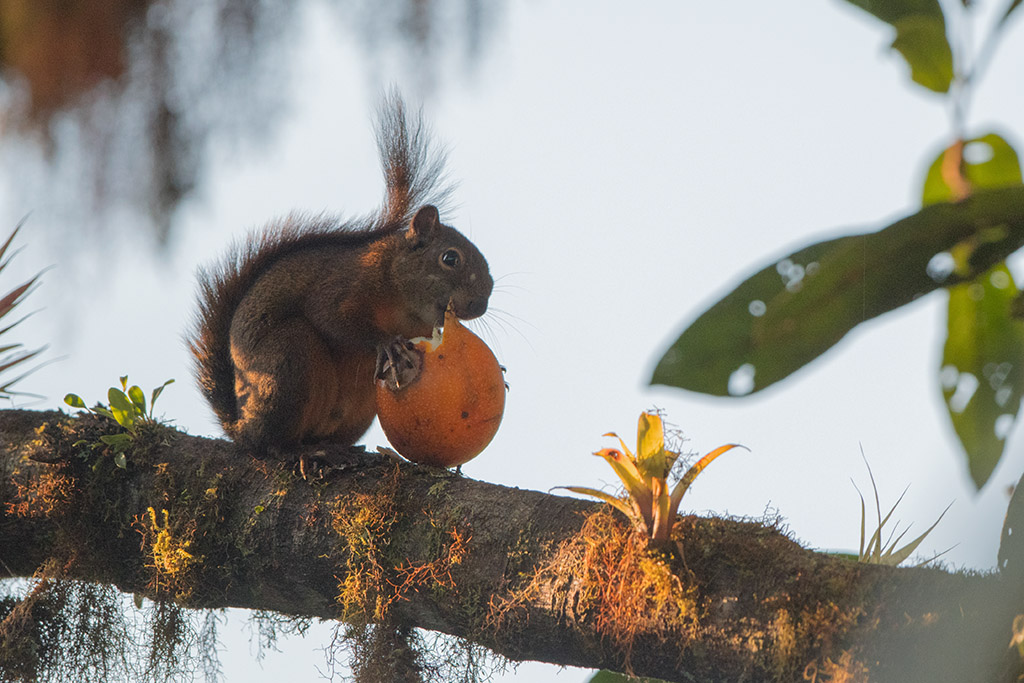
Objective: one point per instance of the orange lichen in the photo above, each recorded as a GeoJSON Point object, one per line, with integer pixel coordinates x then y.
{"type": "Point", "coordinates": [620, 587]}
{"type": "Point", "coordinates": [44, 495]}
{"type": "Point", "coordinates": [374, 576]}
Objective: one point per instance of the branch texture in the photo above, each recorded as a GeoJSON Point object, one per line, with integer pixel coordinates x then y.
{"type": "Point", "coordinates": [527, 574]}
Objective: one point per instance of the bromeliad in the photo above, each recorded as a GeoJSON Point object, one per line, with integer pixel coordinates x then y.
{"type": "Point", "coordinates": [650, 505]}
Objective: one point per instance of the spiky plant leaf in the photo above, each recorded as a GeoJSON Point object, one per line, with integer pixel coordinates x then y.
{"type": "Point", "coordinates": [680, 489]}
{"type": "Point", "coordinates": [619, 504]}
{"type": "Point", "coordinates": [636, 486]}
{"type": "Point", "coordinates": [8, 302]}
{"type": "Point", "coordinates": [625, 448]}
{"type": "Point", "coordinates": [894, 557]}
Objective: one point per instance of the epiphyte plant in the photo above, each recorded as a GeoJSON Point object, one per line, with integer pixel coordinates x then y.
{"type": "Point", "coordinates": [128, 409]}
{"type": "Point", "coordinates": [650, 504]}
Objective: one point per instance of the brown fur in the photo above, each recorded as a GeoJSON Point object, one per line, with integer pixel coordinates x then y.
{"type": "Point", "coordinates": [289, 324]}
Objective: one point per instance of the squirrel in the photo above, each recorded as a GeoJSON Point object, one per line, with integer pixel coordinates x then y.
{"type": "Point", "coordinates": [290, 324]}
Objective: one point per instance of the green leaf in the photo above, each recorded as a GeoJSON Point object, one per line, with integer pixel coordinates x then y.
{"type": "Point", "coordinates": [997, 166]}
{"type": "Point", "coordinates": [798, 307]}
{"type": "Point", "coordinates": [981, 376]}
{"type": "Point", "coordinates": [922, 42]}
{"type": "Point", "coordinates": [1011, 541]}
{"type": "Point", "coordinates": [138, 400]}
{"type": "Point", "coordinates": [156, 394]}
{"type": "Point", "coordinates": [891, 11]}
{"type": "Point", "coordinates": [100, 410]}
{"type": "Point", "coordinates": [920, 38]}
{"type": "Point", "coordinates": [124, 382]}
{"type": "Point", "coordinates": [121, 408]}
{"type": "Point", "coordinates": [120, 460]}
{"type": "Point", "coordinates": [74, 400]}
{"type": "Point", "coordinates": [981, 381]}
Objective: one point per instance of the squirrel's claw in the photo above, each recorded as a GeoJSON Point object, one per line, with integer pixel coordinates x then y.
{"type": "Point", "coordinates": [399, 363]}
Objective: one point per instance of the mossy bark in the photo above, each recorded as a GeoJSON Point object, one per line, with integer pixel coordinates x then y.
{"type": "Point", "coordinates": [527, 574]}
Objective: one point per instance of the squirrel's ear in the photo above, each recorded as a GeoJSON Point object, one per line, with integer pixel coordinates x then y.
{"type": "Point", "coordinates": [424, 224]}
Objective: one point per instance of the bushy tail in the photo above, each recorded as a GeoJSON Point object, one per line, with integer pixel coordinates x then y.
{"type": "Point", "coordinates": [413, 165]}
{"type": "Point", "coordinates": [220, 290]}
{"type": "Point", "coordinates": [414, 176]}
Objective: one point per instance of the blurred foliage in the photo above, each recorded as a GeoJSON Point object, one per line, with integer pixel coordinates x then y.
{"type": "Point", "coordinates": [981, 374]}
{"type": "Point", "coordinates": [120, 100]}
{"type": "Point", "coordinates": [13, 356]}
{"type": "Point", "coordinates": [1011, 542]}
{"type": "Point", "coordinates": [796, 308]}
{"type": "Point", "coordinates": [920, 38]}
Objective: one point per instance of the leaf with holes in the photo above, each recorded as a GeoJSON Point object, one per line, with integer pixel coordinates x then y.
{"type": "Point", "coordinates": [981, 367]}
{"type": "Point", "coordinates": [796, 308]}
{"type": "Point", "coordinates": [1011, 542]}
{"type": "Point", "coordinates": [986, 162]}
{"type": "Point", "coordinates": [981, 378]}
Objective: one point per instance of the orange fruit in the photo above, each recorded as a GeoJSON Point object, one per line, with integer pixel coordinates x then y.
{"type": "Point", "coordinates": [451, 410]}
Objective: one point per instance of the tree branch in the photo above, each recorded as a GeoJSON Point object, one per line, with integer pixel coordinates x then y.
{"type": "Point", "coordinates": [527, 574]}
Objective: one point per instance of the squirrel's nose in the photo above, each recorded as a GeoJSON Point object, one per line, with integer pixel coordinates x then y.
{"type": "Point", "coordinates": [474, 308]}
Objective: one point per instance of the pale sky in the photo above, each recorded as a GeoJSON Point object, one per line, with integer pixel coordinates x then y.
{"type": "Point", "coordinates": [621, 167]}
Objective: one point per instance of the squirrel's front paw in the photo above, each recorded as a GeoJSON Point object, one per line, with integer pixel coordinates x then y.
{"type": "Point", "coordinates": [399, 363]}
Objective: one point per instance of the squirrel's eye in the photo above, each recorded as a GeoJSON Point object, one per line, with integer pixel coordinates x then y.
{"type": "Point", "coordinates": [451, 258]}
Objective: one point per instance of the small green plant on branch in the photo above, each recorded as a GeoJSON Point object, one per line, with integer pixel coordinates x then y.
{"type": "Point", "coordinates": [127, 407]}
{"type": "Point", "coordinates": [879, 552]}
{"type": "Point", "coordinates": [650, 504]}
{"type": "Point", "coordinates": [13, 355]}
